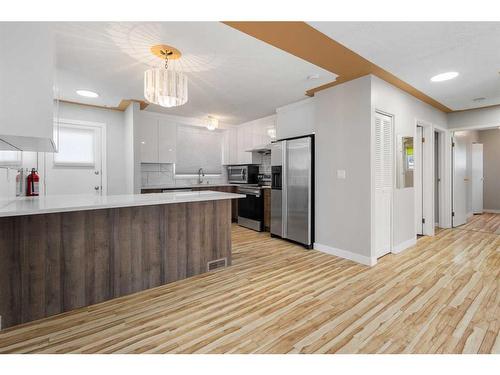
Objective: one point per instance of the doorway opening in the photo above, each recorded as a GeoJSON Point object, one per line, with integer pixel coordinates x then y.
{"type": "Point", "coordinates": [477, 178]}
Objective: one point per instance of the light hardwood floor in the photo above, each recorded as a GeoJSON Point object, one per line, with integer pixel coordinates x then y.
{"type": "Point", "coordinates": [441, 296]}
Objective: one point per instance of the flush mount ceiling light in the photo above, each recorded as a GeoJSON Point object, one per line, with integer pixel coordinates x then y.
{"type": "Point", "coordinates": [212, 123]}
{"type": "Point", "coordinates": [444, 76]}
{"type": "Point", "coordinates": [271, 132]}
{"type": "Point", "coordinates": [87, 93]}
{"type": "Point", "coordinates": [163, 86]}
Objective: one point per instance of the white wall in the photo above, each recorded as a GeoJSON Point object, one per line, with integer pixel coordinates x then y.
{"type": "Point", "coordinates": [406, 110]}
{"type": "Point", "coordinates": [296, 119]}
{"type": "Point", "coordinates": [117, 151]}
{"type": "Point", "coordinates": [477, 118]}
{"type": "Point", "coordinates": [343, 140]}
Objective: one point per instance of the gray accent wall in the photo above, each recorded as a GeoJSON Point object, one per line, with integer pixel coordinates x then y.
{"type": "Point", "coordinates": [343, 142]}
{"type": "Point", "coordinates": [491, 168]}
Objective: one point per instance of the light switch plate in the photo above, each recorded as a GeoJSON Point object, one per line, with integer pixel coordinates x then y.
{"type": "Point", "coordinates": [341, 174]}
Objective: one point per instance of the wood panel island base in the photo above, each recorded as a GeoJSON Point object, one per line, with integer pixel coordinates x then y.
{"type": "Point", "coordinates": [59, 261]}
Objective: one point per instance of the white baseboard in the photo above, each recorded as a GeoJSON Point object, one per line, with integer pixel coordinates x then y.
{"type": "Point", "coordinates": [404, 245]}
{"type": "Point", "coordinates": [491, 211]}
{"type": "Point", "coordinates": [358, 258]}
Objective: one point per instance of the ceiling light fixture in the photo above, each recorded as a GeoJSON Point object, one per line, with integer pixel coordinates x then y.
{"type": "Point", "coordinates": [444, 76]}
{"type": "Point", "coordinates": [312, 76]}
{"type": "Point", "coordinates": [167, 88]}
{"type": "Point", "coordinates": [271, 132]}
{"type": "Point", "coordinates": [87, 93]}
{"type": "Point", "coordinates": [212, 123]}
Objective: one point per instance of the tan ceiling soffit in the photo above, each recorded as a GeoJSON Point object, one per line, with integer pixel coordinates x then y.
{"type": "Point", "coordinates": [124, 103]}
{"type": "Point", "coordinates": [304, 41]}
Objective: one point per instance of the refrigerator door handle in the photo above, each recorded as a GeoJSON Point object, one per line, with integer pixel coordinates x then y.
{"type": "Point", "coordinates": [284, 210]}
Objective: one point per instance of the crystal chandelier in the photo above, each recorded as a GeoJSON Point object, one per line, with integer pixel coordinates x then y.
{"type": "Point", "coordinates": [212, 123]}
{"type": "Point", "coordinates": [167, 88]}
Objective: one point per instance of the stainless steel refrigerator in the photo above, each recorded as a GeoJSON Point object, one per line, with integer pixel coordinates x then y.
{"type": "Point", "coordinates": [292, 189]}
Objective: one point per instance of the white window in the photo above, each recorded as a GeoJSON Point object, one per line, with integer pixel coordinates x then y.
{"type": "Point", "coordinates": [77, 146]}
{"type": "Point", "coordinates": [197, 148]}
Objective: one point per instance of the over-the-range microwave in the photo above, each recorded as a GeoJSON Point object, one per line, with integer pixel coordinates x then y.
{"type": "Point", "coordinates": [242, 174]}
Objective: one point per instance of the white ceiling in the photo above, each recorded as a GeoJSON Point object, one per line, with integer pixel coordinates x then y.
{"type": "Point", "coordinates": [231, 75]}
{"type": "Point", "coordinates": [416, 51]}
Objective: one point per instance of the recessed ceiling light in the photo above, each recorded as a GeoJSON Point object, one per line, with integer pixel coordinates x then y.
{"type": "Point", "coordinates": [87, 93]}
{"type": "Point", "coordinates": [444, 76]}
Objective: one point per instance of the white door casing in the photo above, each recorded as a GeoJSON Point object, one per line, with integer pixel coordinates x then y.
{"type": "Point", "coordinates": [419, 180]}
{"type": "Point", "coordinates": [477, 178]}
{"type": "Point", "coordinates": [459, 151]}
{"type": "Point", "coordinates": [63, 178]}
{"type": "Point", "coordinates": [384, 182]}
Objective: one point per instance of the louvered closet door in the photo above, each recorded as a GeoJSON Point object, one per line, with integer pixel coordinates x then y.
{"type": "Point", "coordinates": [384, 182]}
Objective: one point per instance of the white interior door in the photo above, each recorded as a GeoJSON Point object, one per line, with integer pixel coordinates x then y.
{"type": "Point", "coordinates": [459, 182]}
{"type": "Point", "coordinates": [384, 183]}
{"type": "Point", "coordinates": [419, 181]}
{"type": "Point", "coordinates": [77, 167]}
{"type": "Point", "coordinates": [477, 178]}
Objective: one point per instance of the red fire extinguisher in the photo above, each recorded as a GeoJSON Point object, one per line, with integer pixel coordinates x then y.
{"type": "Point", "coordinates": [33, 184]}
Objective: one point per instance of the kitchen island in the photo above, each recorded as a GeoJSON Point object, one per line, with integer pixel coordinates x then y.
{"type": "Point", "coordinates": [59, 253]}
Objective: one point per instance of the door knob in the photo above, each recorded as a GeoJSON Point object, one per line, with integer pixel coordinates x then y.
{"type": "Point", "coordinates": [96, 187]}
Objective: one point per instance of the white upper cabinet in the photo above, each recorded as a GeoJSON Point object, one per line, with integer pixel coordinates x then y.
{"type": "Point", "coordinates": [248, 136]}
{"type": "Point", "coordinates": [148, 139]}
{"type": "Point", "coordinates": [167, 133]}
{"type": "Point", "coordinates": [230, 146]}
{"type": "Point", "coordinates": [27, 85]}
{"type": "Point", "coordinates": [296, 119]}
{"type": "Point", "coordinates": [157, 139]}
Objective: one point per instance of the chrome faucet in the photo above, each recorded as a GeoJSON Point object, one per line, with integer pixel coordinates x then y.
{"type": "Point", "coordinates": [201, 174]}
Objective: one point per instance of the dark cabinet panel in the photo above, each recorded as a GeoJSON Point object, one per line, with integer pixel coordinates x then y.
{"type": "Point", "coordinates": [52, 263]}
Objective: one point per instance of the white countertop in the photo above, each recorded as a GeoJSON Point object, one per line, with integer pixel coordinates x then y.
{"type": "Point", "coordinates": [66, 203]}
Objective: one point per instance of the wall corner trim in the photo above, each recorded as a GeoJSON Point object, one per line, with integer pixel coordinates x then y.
{"type": "Point", "coordinates": [404, 245]}
{"type": "Point", "coordinates": [358, 258]}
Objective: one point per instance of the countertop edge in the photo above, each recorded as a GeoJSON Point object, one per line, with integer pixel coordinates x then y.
{"type": "Point", "coordinates": [101, 206]}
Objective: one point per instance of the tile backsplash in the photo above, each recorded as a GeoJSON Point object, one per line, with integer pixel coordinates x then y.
{"type": "Point", "coordinates": [163, 175]}
{"type": "Point", "coordinates": [7, 186]}
{"type": "Point", "coordinates": [265, 166]}
{"type": "Point", "coordinates": [157, 174]}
